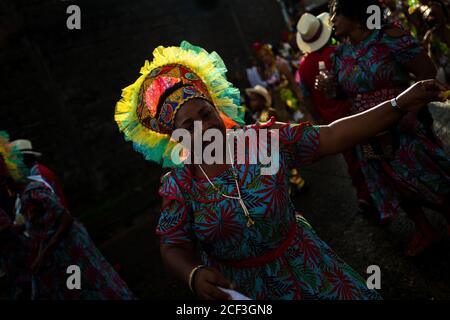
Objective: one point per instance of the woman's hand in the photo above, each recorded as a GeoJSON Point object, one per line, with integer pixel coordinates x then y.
{"type": "Point", "coordinates": [347, 132]}
{"type": "Point", "coordinates": [206, 283]}
{"type": "Point", "coordinates": [420, 94]}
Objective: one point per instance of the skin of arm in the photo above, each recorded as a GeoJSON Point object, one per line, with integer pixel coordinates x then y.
{"type": "Point", "coordinates": [179, 260]}
{"type": "Point", "coordinates": [347, 132]}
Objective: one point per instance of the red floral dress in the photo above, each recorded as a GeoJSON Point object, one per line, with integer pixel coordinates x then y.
{"type": "Point", "coordinates": [280, 256]}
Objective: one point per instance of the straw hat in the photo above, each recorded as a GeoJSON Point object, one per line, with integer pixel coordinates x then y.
{"type": "Point", "coordinates": [25, 146]}
{"type": "Point", "coordinates": [260, 90]}
{"type": "Point", "coordinates": [313, 32]}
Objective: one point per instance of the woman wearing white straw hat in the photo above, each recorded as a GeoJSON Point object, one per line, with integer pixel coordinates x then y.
{"type": "Point", "coordinates": [313, 38]}
{"type": "Point", "coordinates": [31, 159]}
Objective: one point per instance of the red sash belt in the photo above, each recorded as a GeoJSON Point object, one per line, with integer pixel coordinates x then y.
{"type": "Point", "coordinates": [265, 258]}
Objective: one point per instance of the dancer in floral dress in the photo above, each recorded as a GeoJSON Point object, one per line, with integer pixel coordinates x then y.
{"type": "Point", "coordinates": [57, 239]}
{"type": "Point", "coordinates": [227, 224]}
{"type": "Point", "coordinates": [404, 166]}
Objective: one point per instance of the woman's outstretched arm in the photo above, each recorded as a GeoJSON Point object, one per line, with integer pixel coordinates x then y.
{"type": "Point", "coordinates": [347, 132]}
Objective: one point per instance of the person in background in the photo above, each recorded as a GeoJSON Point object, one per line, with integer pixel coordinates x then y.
{"type": "Point", "coordinates": [285, 91]}
{"type": "Point", "coordinates": [404, 166]}
{"type": "Point", "coordinates": [31, 160]}
{"type": "Point", "coordinates": [437, 38]}
{"type": "Point", "coordinates": [260, 102]}
{"type": "Point", "coordinates": [395, 13]}
{"type": "Point", "coordinates": [415, 16]}
{"type": "Point", "coordinates": [313, 38]}
{"type": "Point", "coordinates": [254, 74]}
{"type": "Point", "coordinates": [57, 240]}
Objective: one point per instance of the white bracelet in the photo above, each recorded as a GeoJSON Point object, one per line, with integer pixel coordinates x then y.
{"type": "Point", "coordinates": [395, 105]}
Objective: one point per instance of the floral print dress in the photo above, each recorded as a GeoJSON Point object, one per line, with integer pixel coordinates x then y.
{"type": "Point", "coordinates": [372, 72]}
{"type": "Point", "coordinates": [43, 210]}
{"type": "Point", "coordinates": [280, 256]}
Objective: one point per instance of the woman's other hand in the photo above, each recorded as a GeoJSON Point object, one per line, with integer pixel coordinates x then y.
{"type": "Point", "coordinates": [420, 94]}
{"type": "Point", "coordinates": [206, 283]}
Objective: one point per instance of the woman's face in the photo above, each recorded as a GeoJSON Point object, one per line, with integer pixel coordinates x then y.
{"type": "Point", "coordinates": [266, 56]}
{"type": "Point", "coordinates": [342, 25]}
{"type": "Point", "coordinates": [199, 110]}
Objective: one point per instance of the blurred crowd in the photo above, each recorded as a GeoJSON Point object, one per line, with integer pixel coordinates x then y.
{"type": "Point", "coordinates": [331, 64]}
{"type": "Point", "coordinates": [273, 72]}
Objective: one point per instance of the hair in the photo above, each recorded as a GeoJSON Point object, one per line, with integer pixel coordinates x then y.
{"type": "Point", "coordinates": [353, 10]}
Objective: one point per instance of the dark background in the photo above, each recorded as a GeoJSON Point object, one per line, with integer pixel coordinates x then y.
{"type": "Point", "coordinates": [59, 87]}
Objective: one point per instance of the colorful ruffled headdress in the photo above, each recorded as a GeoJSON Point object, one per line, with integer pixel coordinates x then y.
{"type": "Point", "coordinates": [11, 159]}
{"type": "Point", "coordinates": [147, 110]}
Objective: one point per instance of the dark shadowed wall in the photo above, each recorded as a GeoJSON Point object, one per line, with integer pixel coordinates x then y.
{"type": "Point", "coordinates": [59, 87]}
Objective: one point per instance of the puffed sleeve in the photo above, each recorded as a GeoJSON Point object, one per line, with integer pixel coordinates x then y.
{"type": "Point", "coordinates": [403, 47]}
{"type": "Point", "coordinates": [175, 223]}
{"type": "Point", "coordinates": [299, 143]}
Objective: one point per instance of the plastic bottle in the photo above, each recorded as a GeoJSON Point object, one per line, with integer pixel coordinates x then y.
{"type": "Point", "coordinates": [326, 75]}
